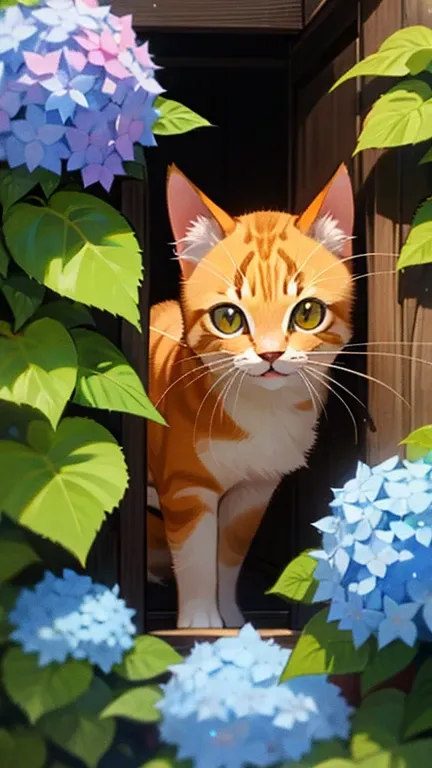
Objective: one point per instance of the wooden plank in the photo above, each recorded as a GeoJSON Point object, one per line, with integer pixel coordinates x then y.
{"type": "Point", "coordinates": [415, 284]}
{"type": "Point", "coordinates": [311, 7]}
{"type": "Point", "coordinates": [184, 640]}
{"type": "Point", "coordinates": [381, 175]}
{"type": "Point", "coordinates": [325, 32]}
{"type": "Point", "coordinates": [133, 548]}
{"type": "Point", "coordinates": [271, 15]}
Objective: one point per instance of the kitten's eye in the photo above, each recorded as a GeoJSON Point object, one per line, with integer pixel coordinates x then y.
{"type": "Point", "coordinates": [228, 319]}
{"type": "Point", "coordinates": [308, 315]}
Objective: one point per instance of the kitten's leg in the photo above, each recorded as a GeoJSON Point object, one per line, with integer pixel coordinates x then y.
{"type": "Point", "coordinates": [240, 513]}
{"type": "Point", "coordinates": [191, 526]}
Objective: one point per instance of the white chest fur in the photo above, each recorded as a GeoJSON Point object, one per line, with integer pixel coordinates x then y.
{"type": "Point", "coordinates": [280, 435]}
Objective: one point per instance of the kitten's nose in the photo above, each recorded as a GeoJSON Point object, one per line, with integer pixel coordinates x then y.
{"type": "Point", "coordinates": [271, 357]}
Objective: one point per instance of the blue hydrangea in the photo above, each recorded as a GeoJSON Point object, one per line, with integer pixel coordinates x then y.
{"type": "Point", "coordinates": [66, 65]}
{"type": "Point", "coordinates": [376, 559]}
{"type": "Point", "coordinates": [223, 707]}
{"type": "Point", "coordinates": [73, 617]}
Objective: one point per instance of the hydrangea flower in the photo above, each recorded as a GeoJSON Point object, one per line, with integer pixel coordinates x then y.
{"type": "Point", "coordinates": [376, 559]}
{"type": "Point", "coordinates": [68, 57]}
{"type": "Point", "coordinates": [73, 617]}
{"type": "Point", "coordinates": [223, 707]}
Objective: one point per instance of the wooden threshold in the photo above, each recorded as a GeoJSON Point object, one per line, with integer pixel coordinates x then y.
{"type": "Point", "coordinates": [184, 639]}
{"type": "Point", "coordinates": [214, 15]}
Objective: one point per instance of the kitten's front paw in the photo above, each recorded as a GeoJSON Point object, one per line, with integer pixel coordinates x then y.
{"type": "Point", "coordinates": [199, 615]}
{"type": "Point", "coordinates": [232, 616]}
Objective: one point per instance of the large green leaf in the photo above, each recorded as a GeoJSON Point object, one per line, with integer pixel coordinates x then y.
{"type": "Point", "coordinates": [106, 380]}
{"type": "Point", "coordinates": [4, 257]}
{"type": "Point", "coordinates": [138, 704]}
{"type": "Point", "coordinates": [15, 556]}
{"type": "Point", "coordinates": [176, 118]}
{"type": "Point", "coordinates": [407, 51]}
{"type": "Point", "coordinates": [38, 367]}
{"type": "Point", "coordinates": [80, 247]}
{"type": "Point", "coordinates": [427, 157]}
{"type": "Point", "coordinates": [328, 751]}
{"type": "Point", "coordinates": [297, 581]}
{"type": "Point", "coordinates": [414, 755]}
{"type": "Point", "coordinates": [377, 723]}
{"type": "Point", "coordinates": [418, 246]}
{"type": "Point", "coordinates": [61, 484]}
{"type": "Point", "coordinates": [78, 728]}
{"type": "Point", "coordinates": [22, 748]}
{"type": "Point", "coordinates": [23, 295]}
{"type": "Point", "coordinates": [418, 715]}
{"type": "Point", "coordinates": [386, 663]}
{"type": "Point", "coordinates": [8, 598]}
{"type": "Point", "coordinates": [15, 183]}
{"type": "Point", "coordinates": [37, 690]}
{"type": "Point", "coordinates": [149, 658]}
{"type": "Point", "coordinates": [71, 314]}
{"type": "Point", "coordinates": [402, 116]}
{"type": "Point", "coordinates": [323, 649]}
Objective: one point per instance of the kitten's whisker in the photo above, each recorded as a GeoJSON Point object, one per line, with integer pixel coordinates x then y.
{"type": "Point", "coordinates": [204, 367]}
{"type": "Point", "coordinates": [303, 264]}
{"type": "Point", "coordinates": [209, 391]}
{"type": "Point", "coordinates": [311, 394]}
{"type": "Point", "coordinates": [168, 335]}
{"type": "Point", "coordinates": [363, 376]}
{"type": "Point", "coordinates": [375, 343]}
{"type": "Point", "coordinates": [358, 277]}
{"type": "Point", "coordinates": [220, 399]}
{"type": "Point", "coordinates": [314, 389]}
{"type": "Point", "coordinates": [244, 374]}
{"type": "Point", "coordinates": [197, 356]}
{"type": "Point", "coordinates": [318, 375]}
{"type": "Point", "coordinates": [341, 261]}
{"type": "Point", "coordinates": [379, 354]}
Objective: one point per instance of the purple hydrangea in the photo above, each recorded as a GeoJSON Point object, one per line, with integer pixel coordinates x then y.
{"type": "Point", "coordinates": [376, 560]}
{"type": "Point", "coordinates": [73, 617]}
{"type": "Point", "coordinates": [223, 707]}
{"type": "Point", "coordinates": [72, 66]}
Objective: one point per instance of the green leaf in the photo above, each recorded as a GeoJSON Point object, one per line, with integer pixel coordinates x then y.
{"type": "Point", "coordinates": [4, 257]}
{"type": "Point", "coordinates": [22, 748]}
{"type": "Point", "coordinates": [15, 183]}
{"type": "Point", "coordinates": [38, 367]}
{"type": "Point", "coordinates": [149, 658]}
{"type": "Point", "coordinates": [138, 704]}
{"type": "Point", "coordinates": [60, 485]}
{"type": "Point", "coordinates": [406, 51]}
{"type": "Point", "coordinates": [427, 158]}
{"type": "Point", "coordinates": [80, 247]}
{"type": "Point", "coordinates": [337, 762]}
{"type": "Point", "coordinates": [37, 690]}
{"type": "Point", "coordinates": [418, 246]}
{"type": "Point", "coordinates": [385, 664]}
{"type": "Point", "coordinates": [324, 649]}
{"type": "Point", "coordinates": [402, 116]}
{"type": "Point", "coordinates": [106, 380]}
{"type": "Point", "coordinates": [23, 295]}
{"type": "Point", "coordinates": [418, 714]}
{"type": "Point", "coordinates": [78, 728]}
{"type": "Point", "coordinates": [176, 118]}
{"type": "Point", "coordinates": [377, 723]}
{"type": "Point", "coordinates": [71, 314]}
{"type": "Point", "coordinates": [414, 755]}
{"type": "Point", "coordinates": [297, 581]}
{"type": "Point", "coordinates": [15, 556]}
{"type": "Point", "coordinates": [330, 751]}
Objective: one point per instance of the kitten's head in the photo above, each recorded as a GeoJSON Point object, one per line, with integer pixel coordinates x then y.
{"type": "Point", "coordinates": [264, 290]}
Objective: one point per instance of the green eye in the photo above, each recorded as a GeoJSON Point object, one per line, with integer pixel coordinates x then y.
{"type": "Point", "coordinates": [308, 315]}
{"type": "Point", "coordinates": [228, 319]}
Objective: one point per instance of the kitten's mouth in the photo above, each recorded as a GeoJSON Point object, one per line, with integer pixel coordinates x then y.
{"type": "Point", "coordinates": [272, 374]}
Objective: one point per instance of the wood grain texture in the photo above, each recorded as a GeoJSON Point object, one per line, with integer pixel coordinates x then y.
{"type": "Point", "coordinates": [381, 178]}
{"type": "Point", "coordinates": [133, 548]}
{"type": "Point", "coordinates": [266, 15]}
{"type": "Point", "coordinates": [311, 7]}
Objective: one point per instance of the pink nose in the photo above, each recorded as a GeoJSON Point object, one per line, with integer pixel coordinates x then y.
{"type": "Point", "coordinates": [271, 357]}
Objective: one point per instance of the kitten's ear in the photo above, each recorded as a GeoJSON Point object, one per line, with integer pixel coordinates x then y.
{"type": "Point", "coordinates": [197, 223]}
{"type": "Point", "coordinates": [330, 218]}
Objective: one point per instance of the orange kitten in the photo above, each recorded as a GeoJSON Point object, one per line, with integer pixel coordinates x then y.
{"type": "Point", "coordinates": [231, 372]}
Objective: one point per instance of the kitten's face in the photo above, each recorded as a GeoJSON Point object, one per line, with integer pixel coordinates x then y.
{"type": "Point", "coordinates": [265, 294]}
{"type": "Point", "coordinates": [266, 298]}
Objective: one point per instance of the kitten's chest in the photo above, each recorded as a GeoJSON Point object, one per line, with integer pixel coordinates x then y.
{"type": "Point", "coordinates": [279, 436]}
